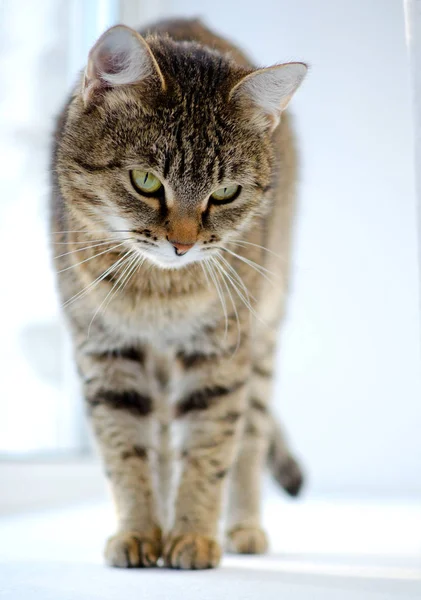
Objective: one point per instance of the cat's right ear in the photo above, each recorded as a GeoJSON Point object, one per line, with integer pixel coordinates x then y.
{"type": "Point", "coordinates": [269, 91]}
{"type": "Point", "coordinates": [120, 57]}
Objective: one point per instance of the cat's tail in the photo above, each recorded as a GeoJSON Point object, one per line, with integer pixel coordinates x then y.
{"type": "Point", "coordinates": [283, 466]}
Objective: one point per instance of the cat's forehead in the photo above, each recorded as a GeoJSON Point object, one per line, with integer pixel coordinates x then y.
{"type": "Point", "coordinates": [191, 135]}
{"type": "Point", "coordinates": [195, 139]}
{"type": "Point", "coordinates": [189, 66]}
{"type": "Point", "coordinates": [201, 148]}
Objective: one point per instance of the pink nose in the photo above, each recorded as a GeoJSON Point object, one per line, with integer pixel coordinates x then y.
{"type": "Point", "coordinates": [181, 249]}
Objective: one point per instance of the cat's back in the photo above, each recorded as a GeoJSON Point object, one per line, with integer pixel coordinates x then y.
{"type": "Point", "coordinates": [193, 30]}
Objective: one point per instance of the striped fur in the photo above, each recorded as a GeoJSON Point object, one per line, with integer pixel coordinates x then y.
{"type": "Point", "coordinates": [176, 375]}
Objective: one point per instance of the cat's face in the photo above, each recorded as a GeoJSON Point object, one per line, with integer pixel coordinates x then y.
{"type": "Point", "coordinates": [164, 148]}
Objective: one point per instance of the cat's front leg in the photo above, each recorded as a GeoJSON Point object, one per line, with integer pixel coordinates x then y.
{"type": "Point", "coordinates": [211, 413]}
{"type": "Point", "coordinates": [245, 534]}
{"type": "Point", "coordinates": [121, 412]}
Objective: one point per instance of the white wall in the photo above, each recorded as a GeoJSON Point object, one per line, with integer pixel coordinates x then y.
{"type": "Point", "coordinates": [31, 349]}
{"type": "Point", "coordinates": [349, 384]}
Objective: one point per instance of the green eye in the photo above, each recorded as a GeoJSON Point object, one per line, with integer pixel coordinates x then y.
{"type": "Point", "coordinates": [226, 193]}
{"type": "Point", "coordinates": [144, 181]}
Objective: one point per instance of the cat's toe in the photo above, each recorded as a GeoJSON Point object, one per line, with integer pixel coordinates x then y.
{"type": "Point", "coordinates": [247, 540]}
{"type": "Point", "coordinates": [191, 551]}
{"type": "Point", "coordinates": [133, 549]}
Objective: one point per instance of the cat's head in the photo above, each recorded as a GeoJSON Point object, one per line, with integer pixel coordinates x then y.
{"type": "Point", "coordinates": [170, 144]}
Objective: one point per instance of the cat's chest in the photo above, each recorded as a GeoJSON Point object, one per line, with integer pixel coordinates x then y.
{"type": "Point", "coordinates": [162, 323]}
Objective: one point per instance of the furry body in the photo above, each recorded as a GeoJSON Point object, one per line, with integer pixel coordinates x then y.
{"type": "Point", "coordinates": [175, 367]}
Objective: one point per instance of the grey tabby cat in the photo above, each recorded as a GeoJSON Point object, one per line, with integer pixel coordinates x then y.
{"type": "Point", "coordinates": [173, 203]}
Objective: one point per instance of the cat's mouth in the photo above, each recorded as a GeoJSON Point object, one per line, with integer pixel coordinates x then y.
{"type": "Point", "coordinates": [165, 257]}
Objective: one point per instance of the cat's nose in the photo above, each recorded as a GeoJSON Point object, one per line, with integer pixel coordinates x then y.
{"type": "Point", "coordinates": [179, 248]}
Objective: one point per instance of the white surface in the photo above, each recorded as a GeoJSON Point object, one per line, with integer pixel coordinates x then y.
{"type": "Point", "coordinates": [350, 363]}
{"type": "Point", "coordinates": [62, 481]}
{"type": "Point", "coordinates": [321, 550]}
{"type": "Point", "coordinates": [413, 38]}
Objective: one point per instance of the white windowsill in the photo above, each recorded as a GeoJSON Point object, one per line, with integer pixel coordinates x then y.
{"type": "Point", "coordinates": [43, 483]}
{"type": "Point", "coordinates": [321, 550]}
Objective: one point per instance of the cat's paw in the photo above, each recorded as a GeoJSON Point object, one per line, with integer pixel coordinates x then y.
{"type": "Point", "coordinates": [247, 540]}
{"type": "Point", "coordinates": [133, 549]}
{"type": "Point", "coordinates": [191, 551]}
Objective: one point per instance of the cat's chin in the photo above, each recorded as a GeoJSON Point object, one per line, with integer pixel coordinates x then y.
{"type": "Point", "coordinates": [170, 261]}
{"type": "Point", "coordinates": [167, 263]}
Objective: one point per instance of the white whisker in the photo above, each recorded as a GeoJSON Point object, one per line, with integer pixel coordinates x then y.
{"type": "Point", "coordinates": [88, 247]}
{"type": "Point", "coordinates": [124, 280]}
{"type": "Point", "coordinates": [237, 277]}
{"type": "Point", "coordinates": [91, 231]}
{"type": "Point", "coordinates": [223, 273]}
{"type": "Point", "coordinates": [258, 268]}
{"type": "Point", "coordinates": [91, 257]}
{"type": "Point", "coordinates": [94, 283]}
{"type": "Point", "coordinates": [110, 293]}
{"type": "Point", "coordinates": [137, 264]}
{"type": "Point", "coordinates": [220, 294]}
{"type": "Point", "coordinates": [203, 265]}
{"type": "Point", "coordinates": [243, 242]}
{"type": "Point", "coordinates": [245, 299]}
{"type": "Point", "coordinates": [108, 239]}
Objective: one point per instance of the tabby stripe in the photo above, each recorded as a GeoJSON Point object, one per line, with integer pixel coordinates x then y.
{"type": "Point", "coordinates": [251, 430]}
{"type": "Point", "coordinates": [221, 171]}
{"type": "Point", "coordinates": [202, 399]}
{"type": "Point", "coordinates": [218, 156]}
{"type": "Point", "coordinates": [162, 376]}
{"type": "Point", "coordinates": [135, 452]}
{"type": "Point", "coordinates": [166, 169]}
{"type": "Point", "coordinates": [262, 372]}
{"type": "Point", "coordinates": [230, 417]}
{"type": "Point", "coordinates": [264, 188]}
{"type": "Point", "coordinates": [128, 353]}
{"type": "Point", "coordinates": [257, 405]}
{"type": "Point", "coordinates": [194, 359]}
{"type": "Point", "coordinates": [95, 168]}
{"type": "Point", "coordinates": [129, 400]}
{"type": "Point", "coordinates": [221, 474]}
{"type": "Point", "coordinates": [110, 277]}
{"type": "Point", "coordinates": [147, 243]}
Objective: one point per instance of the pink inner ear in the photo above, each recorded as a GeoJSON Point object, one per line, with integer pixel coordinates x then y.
{"type": "Point", "coordinates": [120, 57]}
{"type": "Point", "coordinates": [110, 63]}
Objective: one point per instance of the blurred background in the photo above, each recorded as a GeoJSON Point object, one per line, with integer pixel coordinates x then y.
{"type": "Point", "coordinates": [348, 385]}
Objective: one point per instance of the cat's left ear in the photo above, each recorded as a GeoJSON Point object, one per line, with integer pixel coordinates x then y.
{"type": "Point", "coordinates": [120, 57]}
{"type": "Point", "coordinates": [270, 90]}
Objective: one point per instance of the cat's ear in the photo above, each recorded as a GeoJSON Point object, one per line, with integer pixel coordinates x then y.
{"type": "Point", "coordinates": [120, 57]}
{"type": "Point", "coordinates": [270, 90]}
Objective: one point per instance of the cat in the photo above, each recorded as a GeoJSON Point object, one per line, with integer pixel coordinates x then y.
{"type": "Point", "coordinates": [173, 203]}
